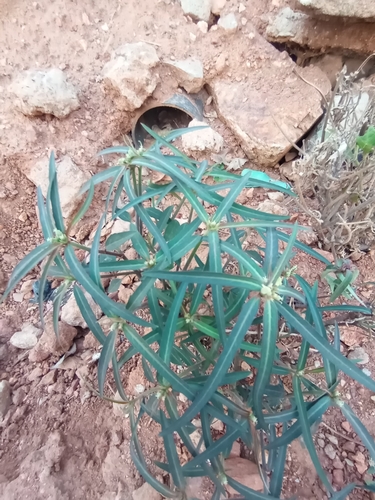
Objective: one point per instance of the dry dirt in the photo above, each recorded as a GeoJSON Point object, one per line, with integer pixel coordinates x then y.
{"type": "Point", "coordinates": [58, 440]}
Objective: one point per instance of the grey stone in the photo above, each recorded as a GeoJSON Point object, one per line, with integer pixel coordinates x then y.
{"type": "Point", "coordinates": [70, 179]}
{"type": "Point", "coordinates": [338, 477]}
{"type": "Point", "coordinates": [129, 73]}
{"type": "Point", "coordinates": [330, 451]}
{"type": "Point", "coordinates": [146, 492]}
{"type": "Point", "coordinates": [35, 374]}
{"type": "Point", "coordinates": [189, 74]}
{"type": "Point", "coordinates": [360, 9]}
{"type": "Point", "coordinates": [205, 139]}
{"type": "Point", "coordinates": [359, 355]}
{"type": "Point", "coordinates": [44, 92]}
{"type": "Point", "coordinates": [4, 398]}
{"type": "Point", "coordinates": [333, 439]}
{"type": "Point", "coordinates": [18, 396]}
{"type": "Point", "coordinates": [198, 9]}
{"type": "Point", "coordinates": [25, 338]}
{"type": "Point", "coordinates": [71, 314]}
{"type": "Point", "coordinates": [228, 23]}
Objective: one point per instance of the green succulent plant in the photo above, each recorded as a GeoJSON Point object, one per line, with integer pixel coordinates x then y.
{"type": "Point", "coordinates": [196, 347]}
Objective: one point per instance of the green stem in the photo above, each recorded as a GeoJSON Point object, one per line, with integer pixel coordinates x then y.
{"type": "Point", "coordinates": [88, 249]}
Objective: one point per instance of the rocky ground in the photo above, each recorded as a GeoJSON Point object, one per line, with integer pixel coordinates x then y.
{"type": "Point", "coordinates": [75, 82]}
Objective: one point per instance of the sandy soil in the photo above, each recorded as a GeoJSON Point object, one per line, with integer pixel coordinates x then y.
{"type": "Point", "coordinates": [58, 440]}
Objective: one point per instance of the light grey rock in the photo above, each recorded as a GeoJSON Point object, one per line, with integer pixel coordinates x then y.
{"type": "Point", "coordinates": [4, 398]}
{"type": "Point", "coordinates": [44, 92]}
{"type": "Point", "coordinates": [202, 140]}
{"type": "Point", "coordinates": [228, 23]}
{"type": "Point", "coordinates": [217, 6]}
{"type": "Point", "coordinates": [359, 355]}
{"type": "Point", "coordinates": [189, 74]}
{"type": "Point", "coordinates": [69, 177]}
{"type": "Point", "coordinates": [26, 338]}
{"type": "Point", "coordinates": [198, 9]}
{"type": "Point", "coordinates": [130, 73]}
{"type": "Point", "coordinates": [71, 314]}
{"type": "Point", "coordinates": [330, 451]}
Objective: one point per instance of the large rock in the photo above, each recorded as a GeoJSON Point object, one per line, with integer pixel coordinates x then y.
{"type": "Point", "coordinates": [244, 472]}
{"type": "Point", "coordinates": [361, 9]}
{"type": "Point", "coordinates": [188, 73]}
{"type": "Point", "coordinates": [26, 338]}
{"type": "Point", "coordinates": [44, 92]}
{"type": "Point", "coordinates": [4, 398]}
{"type": "Point", "coordinates": [268, 107]}
{"type": "Point", "coordinates": [198, 9]}
{"type": "Point", "coordinates": [71, 314]}
{"type": "Point", "coordinates": [288, 26]}
{"type": "Point", "coordinates": [69, 177]}
{"type": "Point", "coordinates": [130, 73]}
{"type": "Point", "coordinates": [50, 344]}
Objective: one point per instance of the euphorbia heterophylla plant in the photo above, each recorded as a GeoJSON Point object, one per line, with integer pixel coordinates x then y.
{"type": "Point", "coordinates": [196, 319]}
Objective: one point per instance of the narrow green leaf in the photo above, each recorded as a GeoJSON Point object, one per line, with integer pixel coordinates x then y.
{"type": "Point", "coordinates": [45, 220]}
{"type": "Point", "coordinates": [207, 278]}
{"type": "Point", "coordinates": [268, 346]}
{"type": "Point", "coordinates": [215, 266]}
{"type": "Point", "coordinates": [55, 197]}
{"type": "Point", "coordinates": [226, 204]}
{"type": "Point", "coordinates": [271, 252]}
{"type": "Point", "coordinates": [115, 241]}
{"type": "Point", "coordinates": [285, 256]}
{"type": "Point", "coordinates": [88, 315]}
{"type": "Point", "coordinates": [210, 331]}
{"type": "Point", "coordinates": [146, 219]}
{"type": "Point", "coordinates": [43, 281]}
{"type": "Point", "coordinates": [105, 358]}
{"type": "Point", "coordinates": [147, 476]}
{"type": "Point", "coordinates": [117, 377]}
{"type": "Point", "coordinates": [85, 206]}
{"type": "Point", "coordinates": [106, 174]}
{"type": "Point", "coordinates": [121, 265]}
{"type": "Point", "coordinates": [57, 304]}
{"type": "Point", "coordinates": [340, 289]}
{"type": "Point", "coordinates": [94, 269]}
{"type": "Point", "coordinates": [169, 331]}
{"type": "Point", "coordinates": [141, 345]}
{"type": "Point", "coordinates": [244, 259]}
{"type": "Point", "coordinates": [343, 494]}
{"type": "Point", "coordinates": [108, 306]}
{"type": "Point", "coordinates": [140, 293]}
{"type": "Point", "coordinates": [194, 202]}
{"type": "Point", "coordinates": [359, 428]}
{"type": "Point", "coordinates": [306, 432]}
{"type": "Point", "coordinates": [324, 347]}
{"type": "Point", "coordinates": [232, 345]}
{"type": "Point", "coordinates": [345, 308]}
{"type": "Point", "coordinates": [277, 470]}
{"type": "Point", "coordinates": [215, 449]}
{"type": "Point", "coordinates": [303, 247]}
{"type": "Point", "coordinates": [314, 413]}
{"type": "Point", "coordinates": [172, 457]}
{"type": "Point", "coordinates": [26, 265]}
{"type": "Point", "coordinates": [149, 193]}
{"type": "Point", "coordinates": [259, 224]}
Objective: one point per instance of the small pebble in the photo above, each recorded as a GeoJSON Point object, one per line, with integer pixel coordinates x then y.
{"type": "Point", "coordinates": [333, 439]}
{"type": "Point", "coordinates": [330, 451]}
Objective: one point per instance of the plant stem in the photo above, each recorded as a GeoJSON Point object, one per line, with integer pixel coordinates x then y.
{"type": "Point", "coordinates": [104, 252]}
